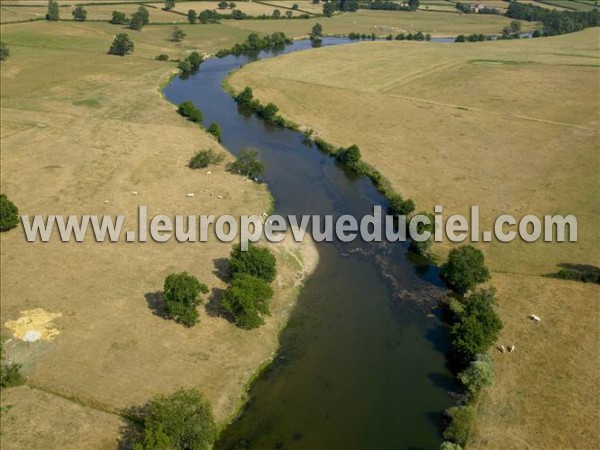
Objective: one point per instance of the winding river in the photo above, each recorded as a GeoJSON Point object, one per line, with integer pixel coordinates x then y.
{"type": "Point", "coordinates": [361, 363]}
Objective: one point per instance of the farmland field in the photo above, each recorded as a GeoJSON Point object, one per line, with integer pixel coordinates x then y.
{"type": "Point", "coordinates": [486, 124]}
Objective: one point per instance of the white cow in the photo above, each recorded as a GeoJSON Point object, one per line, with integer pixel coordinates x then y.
{"type": "Point", "coordinates": [502, 349]}
{"type": "Point", "coordinates": [190, 194]}
{"type": "Point", "coordinates": [511, 349]}
{"type": "Point", "coordinates": [209, 173]}
{"type": "Point", "coordinates": [535, 318]}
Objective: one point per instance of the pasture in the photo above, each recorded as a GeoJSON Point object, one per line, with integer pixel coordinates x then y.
{"type": "Point", "coordinates": [78, 137]}
{"type": "Point", "coordinates": [511, 126]}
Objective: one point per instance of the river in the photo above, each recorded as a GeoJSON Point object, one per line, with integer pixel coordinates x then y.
{"type": "Point", "coordinates": [361, 363]}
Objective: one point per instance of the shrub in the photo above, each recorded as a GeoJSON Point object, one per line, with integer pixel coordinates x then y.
{"type": "Point", "coordinates": [169, 5]}
{"type": "Point", "coordinates": [181, 293]}
{"type": "Point", "coordinates": [4, 51]}
{"type": "Point", "coordinates": [162, 57]}
{"type": "Point", "coordinates": [268, 112]}
{"type": "Point", "coordinates": [215, 130]}
{"type": "Point", "coordinates": [276, 14]}
{"type": "Point", "coordinates": [53, 13]}
{"type": "Point", "coordinates": [79, 13]}
{"type": "Point", "coordinates": [118, 18]}
{"type": "Point", "coordinates": [181, 420]}
{"type": "Point", "coordinates": [460, 38]}
{"type": "Point", "coordinates": [121, 45]}
{"type": "Point", "coordinates": [450, 446]}
{"type": "Point", "coordinates": [10, 374]}
{"type": "Point", "coordinates": [247, 164]}
{"type": "Point", "coordinates": [465, 269]}
{"type": "Point", "coordinates": [577, 275]}
{"type": "Point", "coordinates": [204, 158]}
{"type": "Point", "coordinates": [256, 261]}
{"type": "Point", "coordinates": [247, 300]}
{"type": "Point", "coordinates": [478, 375]}
{"type": "Point", "coordinates": [422, 247]}
{"type": "Point", "coordinates": [348, 156]}
{"type": "Point", "coordinates": [397, 206]}
{"type": "Point", "coordinates": [223, 4]}
{"type": "Point", "coordinates": [245, 97]}
{"type": "Point", "coordinates": [177, 35]}
{"type": "Point", "coordinates": [461, 419]}
{"type": "Point", "coordinates": [9, 214]}
{"type": "Point", "coordinates": [192, 16]}
{"type": "Point", "coordinates": [188, 110]}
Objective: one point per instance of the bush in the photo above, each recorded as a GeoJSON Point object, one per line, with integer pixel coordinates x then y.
{"type": "Point", "coordinates": [10, 374]}
{"type": "Point", "coordinates": [188, 110]}
{"type": "Point", "coordinates": [162, 57]}
{"type": "Point", "coordinates": [192, 16]}
{"type": "Point", "coordinates": [422, 247]}
{"type": "Point", "coordinates": [247, 164]}
{"type": "Point", "coordinates": [465, 269]}
{"type": "Point", "coordinates": [461, 419]}
{"type": "Point", "coordinates": [348, 156]}
{"type": "Point", "coordinates": [476, 329]}
{"type": "Point", "coordinates": [118, 18]}
{"type": "Point", "coordinates": [9, 214]}
{"type": "Point", "coordinates": [121, 45]}
{"type": "Point", "coordinates": [181, 293]}
{"type": "Point", "coordinates": [460, 38]}
{"type": "Point", "coordinates": [577, 275]}
{"type": "Point", "coordinates": [177, 35]}
{"type": "Point", "coordinates": [215, 130]}
{"type": "Point", "coordinates": [139, 19]}
{"type": "Point", "coordinates": [204, 158]}
{"type": "Point", "coordinates": [181, 420]}
{"type": "Point", "coordinates": [268, 112]}
{"type": "Point", "coordinates": [256, 261]}
{"type": "Point", "coordinates": [450, 446]}
{"type": "Point", "coordinates": [247, 300]}
{"type": "Point", "coordinates": [478, 375]}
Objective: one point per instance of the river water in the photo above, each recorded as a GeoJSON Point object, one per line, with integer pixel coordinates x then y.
{"type": "Point", "coordinates": [362, 362]}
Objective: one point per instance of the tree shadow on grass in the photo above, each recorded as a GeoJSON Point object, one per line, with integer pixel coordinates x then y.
{"type": "Point", "coordinates": [580, 267]}
{"type": "Point", "coordinates": [213, 307]}
{"type": "Point", "coordinates": [131, 430]}
{"type": "Point", "coordinates": [156, 303]}
{"type": "Point", "coordinates": [221, 269]}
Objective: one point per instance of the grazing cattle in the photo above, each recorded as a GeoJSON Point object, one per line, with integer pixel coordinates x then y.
{"type": "Point", "coordinates": [511, 349]}
{"type": "Point", "coordinates": [502, 349]}
{"type": "Point", "coordinates": [265, 214]}
{"type": "Point", "coordinates": [190, 194]}
{"type": "Point", "coordinates": [133, 192]}
{"type": "Point", "coordinates": [209, 173]}
{"type": "Point", "coordinates": [535, 318]}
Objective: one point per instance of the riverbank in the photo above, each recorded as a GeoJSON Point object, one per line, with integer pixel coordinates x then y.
{"type": "Point", "coordinates": [79, 138]}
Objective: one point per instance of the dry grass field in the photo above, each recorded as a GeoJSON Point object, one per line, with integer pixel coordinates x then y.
{"type": "Point", "coordinates": [81, 130]}
{"type": "Point", "coordinates": [383, 23]}
{"type": "Point", "coordinates": [512, 127]}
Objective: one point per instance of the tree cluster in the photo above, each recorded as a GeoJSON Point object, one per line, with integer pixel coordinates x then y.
{"type": "Point", "coordinates": [191, 63]}
{"type": "Point", "coordinates": [204, 158]}
{"type": "Point", "coordinates": [139, 19]}
{"type": "Point", "coordinates": [248, 296]}
{"type": "Point", "coordinates": [247, 164]}
{"type": "Point", "coordinates": [188, 110]}
{"type": "Point", "coordinates": [121, 45]}
{"type": "Point", "coordinates": [554, 22]}
{"type": "Point", "coordinates": [268, 112]}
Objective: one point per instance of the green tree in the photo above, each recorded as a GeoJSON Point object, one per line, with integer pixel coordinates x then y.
{"type": "Point", "coordinates": [237, 14]}
{"type": "Point", "coordinates": [269, 111]}
{"type": "Point", "coordinates": [413, 5]}
{"type": "Point", "coordinates": [422, 247]}
{"type": "Point", "coordinates": [317, 31]}
{"type": "Point", "coordinates": [182, 420]}
{"type": "Point", "coordinates": [515, 26]}
{"type": "Point", "coordinates": [177, 35]}
{"type": "Point", "coordinates": [79, 13]}
{"type": "Point", "coordinates": [204, 158]}
{"type": "Point", "coordinates": [223, 4]}
{"type": "Point", "coordinates": [288, 14]}
{"type": "Point", "coordinates": [461, 419]}
{"type": "Point", "coordinates": [476, 328]}
{"type": "Point", "coordinates": [188, 110]}
{"type": "Point", "coordinates": [169, 5]}
{"type": "Point", "coordinates": [53, 13]}
{"type": "Point", "coordinates": [276, 14]}
{"type": "Point", "coordinates": [121, 45]}
{"type": "Point", "coordinates": [247, 300]}
{"type": "Point", "coordinates": [232, 5]}
{"type": "Point", "coordinates": [192, 16]}
{"type": "Point", "coordinates": [139, 19]}
{"type": "Point", "coordinates": [446, 445]}
{"type": "Point", "coordinates": [9, 214]}
{"type": "Point", "coordinates": [4, 51]}
{"type": "Point", "coordinates": [256, 261]}
{"type": "Point", "coordinates": [245, 97]}
{"type": "Point", "coordinates": [295, 6]}
{"type": "Point", "coordinates": [329, 9]}
{"type": "Point", "coordinates": [464, 269]}
{"type": "Point", "coordinates": [478, 374]}
{"type": "Point", "coordinates": [247, 164]}
{"type": "Point", "coordinates": [349, 156]}
{"type": "Point", "coordinates": [215, 130]}
{"type": "Point", "coordinates": [181, 295]}
{"type": "Point", "coordinates": [118, 18]}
